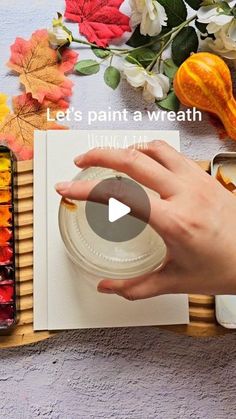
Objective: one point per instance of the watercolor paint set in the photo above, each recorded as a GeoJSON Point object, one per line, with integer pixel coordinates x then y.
{"type": "Point", "coordinates": [7, 239]}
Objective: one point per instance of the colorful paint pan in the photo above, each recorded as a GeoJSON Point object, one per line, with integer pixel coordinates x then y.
{"type": "Point", "coordinates": [6, 293]}
{"type": "Point", "coordinates": [5, 179]}
{"type": "Point", "coordinates": [5, 215]}
{"type": "Point", "coordinates": [5, 236]}
{"type": "Point", "coordinates": [6, 255]}
{"type": "Point", "coordinates": [7, 314]}
{"type": "Point", "coordinates": [5, 162]}
{"type": "Point", "coordinates": [5, 196]}
{"type": "Point", "coordinates": [6, 273]}
{"type": "Point", "coordinates": [7, 242]}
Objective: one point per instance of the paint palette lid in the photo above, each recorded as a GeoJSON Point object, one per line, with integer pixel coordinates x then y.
{"type": "Point", "coordinates": [94, 252]}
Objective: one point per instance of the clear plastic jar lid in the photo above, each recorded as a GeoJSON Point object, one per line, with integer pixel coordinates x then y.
{"type": "Point", "coordinates": [104, 258]}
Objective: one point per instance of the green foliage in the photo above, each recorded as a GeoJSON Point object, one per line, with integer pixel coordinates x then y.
{"type": "Point", "coordinates": [225, 7]}
{"type": "Point", "coordinates": [101, 53]}
{"type": "Point", "coordinates": [147, 51]}
{"type": "Point", "coordinates": [170, 103]}
{"type": "Point", "coordinates": [112, 77]}
{"type": "Point", "coordinates": [176, 11]}
{"type": "Point", "coordinates": [87, 67]}
{"type": "Point", "coordinates": [143, 56]}
{"type": "Point", "coordinates": [169, 68]}
{"type": "Point", "coordinates": [137, 40]}
{"type": "Point", "coordinates": [194, 4]}
{"type": "Point", "coordinates": [208, 2]}
{"type": "Point", "coordinates": [184, 44]}
{"type": "Point", "coordinates": [202, 27]}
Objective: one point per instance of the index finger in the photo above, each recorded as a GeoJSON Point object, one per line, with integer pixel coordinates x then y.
{"type": "Point", "coordinates": [167, 156]}
{"type": "Point", "coordinates": [136, 165]}
{"type": "Point", "coordinates": [82, 190]}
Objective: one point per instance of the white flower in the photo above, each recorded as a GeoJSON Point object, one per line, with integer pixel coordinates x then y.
{"type": "Point", "coordinates": [58, 34]}
{"type": "Point", "coordinates": [150, 15]}
{"type": "Point", "coordinates": [223, 26]}
{"type": "Point", "coordinates": [214, 16]}
{"type": "Point", "coordinates": [155, 85]}
{"type": "Point", "coordinates": [225, 42]}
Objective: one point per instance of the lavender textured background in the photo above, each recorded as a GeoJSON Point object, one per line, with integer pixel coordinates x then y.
{"type": "Point", "coordinates": [141, 373]}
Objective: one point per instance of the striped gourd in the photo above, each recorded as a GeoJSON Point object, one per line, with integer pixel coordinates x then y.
{"type": "Point", "coordinates": [204, 81]}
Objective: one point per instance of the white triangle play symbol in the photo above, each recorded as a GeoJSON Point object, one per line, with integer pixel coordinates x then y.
{"type": "Point", "coordinates": [117, 210]}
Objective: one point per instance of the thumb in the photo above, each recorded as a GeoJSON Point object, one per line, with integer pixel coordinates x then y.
{"type": "Point", "coordinates": [146, 286]}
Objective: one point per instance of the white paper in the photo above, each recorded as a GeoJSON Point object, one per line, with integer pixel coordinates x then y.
{"type": "Point", "coordinates": [72, 299]}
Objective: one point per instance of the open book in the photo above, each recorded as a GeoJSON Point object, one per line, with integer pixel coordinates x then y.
{"type": "Point", "coordinates": [64, 297]}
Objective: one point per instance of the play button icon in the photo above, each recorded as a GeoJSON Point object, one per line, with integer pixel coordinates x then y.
{"type": "Point", "coordinates": [117, 210]}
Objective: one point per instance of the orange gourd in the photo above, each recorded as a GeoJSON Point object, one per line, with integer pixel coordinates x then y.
{"type": "Point", "coordinates": [204, 81]}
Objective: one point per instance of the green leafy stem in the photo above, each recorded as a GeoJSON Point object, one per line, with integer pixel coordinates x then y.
{"type": "Point", "coordinates": [174, 31]}
{"type": "Point", "coordinates": [146, 55]}
{"type": "Point", "coordinates": [168, 36]}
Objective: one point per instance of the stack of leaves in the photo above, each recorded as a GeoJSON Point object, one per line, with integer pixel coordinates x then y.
{"type": "Point", "coordinates": [42, 74]}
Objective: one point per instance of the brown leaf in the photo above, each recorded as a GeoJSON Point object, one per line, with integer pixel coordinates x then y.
{"type": "Point", "coordinates": [17, 130]}
{"type": "Point", "coordinates": [40, 71]}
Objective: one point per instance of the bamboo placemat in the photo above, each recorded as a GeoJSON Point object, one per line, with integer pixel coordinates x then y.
{"type": "Point", "coordinates": [202, 308]}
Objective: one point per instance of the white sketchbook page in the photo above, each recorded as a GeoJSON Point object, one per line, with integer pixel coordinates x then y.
{"type": "Point", "coordinates": [40, 233]}
{"type": "Point", "coordinates": [73, 301]}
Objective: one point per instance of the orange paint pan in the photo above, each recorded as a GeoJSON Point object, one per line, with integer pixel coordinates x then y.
{"type": "Point", "coordinates": [5, 216]}
{"type": "Point", "coordinates": [5, 196]}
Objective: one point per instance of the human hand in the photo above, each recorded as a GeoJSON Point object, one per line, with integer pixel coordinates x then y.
{"type": "Point", "coordinates": [195, 217]}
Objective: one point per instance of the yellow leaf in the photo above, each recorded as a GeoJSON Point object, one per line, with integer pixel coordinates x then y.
{"type": "Point", "coordinates": [4, 110]}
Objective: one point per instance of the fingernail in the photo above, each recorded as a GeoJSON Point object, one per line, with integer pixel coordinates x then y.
{"type": "Point", "coordinates": [105, 290]}
{"type": "Point", "coordinates": [62, 187]}
{"type": "Point", "coordinates": [78, 159]}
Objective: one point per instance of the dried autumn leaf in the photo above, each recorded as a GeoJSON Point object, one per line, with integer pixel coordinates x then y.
{"type": "Point", "coordinates": [21, 152]}
{"type": "Point", "coordinates": [17, 130]}
{"type": "Point", "coordinates": [40, 71]}
{"type": "Point", "coordinates": [99, 20]}
{"type": "Point", "coordinates": [4, 110]}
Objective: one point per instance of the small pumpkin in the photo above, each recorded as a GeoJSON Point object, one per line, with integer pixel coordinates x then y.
{"type": "Point", "coordinates": [204, 81]}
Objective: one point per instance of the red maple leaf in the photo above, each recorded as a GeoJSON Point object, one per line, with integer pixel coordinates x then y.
{"type": "Point", "coordinates": [99, 20]}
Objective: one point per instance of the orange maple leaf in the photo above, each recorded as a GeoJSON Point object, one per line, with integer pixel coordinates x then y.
{"type": "Point", "coordinates": [17, 129]}
{"type": "Point", "coordinates": [22, 153]}
{"type": "Point", "coordinates": [40, 71]}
